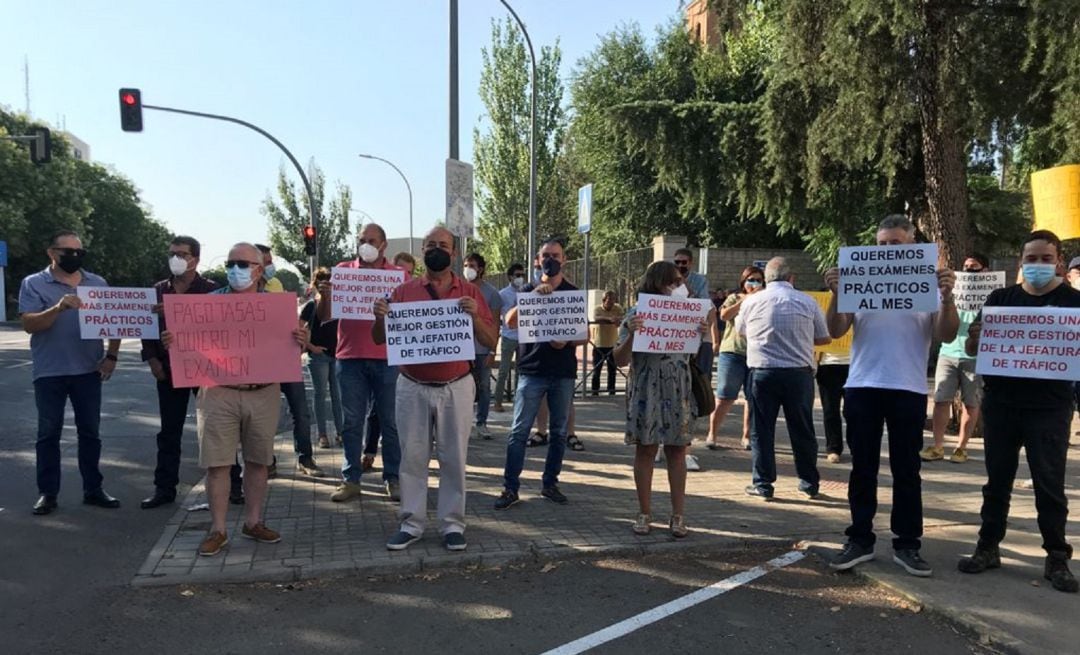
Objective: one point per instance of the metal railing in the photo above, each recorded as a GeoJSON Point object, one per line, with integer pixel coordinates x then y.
{"type": "Point", "coordinates": [618, 271]}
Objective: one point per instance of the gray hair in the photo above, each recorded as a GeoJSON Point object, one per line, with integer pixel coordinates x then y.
{"type": "Point", "coordinates": [777, 270]}
{"type": "Point", "coordinates": [897, 221]}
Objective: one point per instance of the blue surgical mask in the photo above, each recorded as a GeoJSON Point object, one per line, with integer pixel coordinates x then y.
{"type": "Point", "coordinates": [268, 272]}
{"type": "Point", "coordinates": [239, 278]}
{"type": "Point", "coordinates": [1039, 275]}
{"type": "Point", "coordinates": [753, 284]}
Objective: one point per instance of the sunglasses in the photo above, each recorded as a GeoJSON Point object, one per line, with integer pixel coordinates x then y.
{"type": "Point", "coordinates": [682, 262]}
{"type": "Point", "coordinates": [77, 252]}
{"type": "Point", "coordinates": [240, 263]}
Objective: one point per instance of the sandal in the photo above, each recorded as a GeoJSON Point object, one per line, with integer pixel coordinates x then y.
{"type": "Point", "coordinates": [573, 443]}
{"type": "Point", "coordinates": [678, 526]}
{"type": "Point", "coordinates": [641, 526]}
{"type": "Point", "coordinates": [538, 438]}
{"type": "Point", "coordinates": [711, 444]}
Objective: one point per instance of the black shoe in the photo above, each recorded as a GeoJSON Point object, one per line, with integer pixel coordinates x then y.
{"type": "Point", "coordinates": [981, 560]}
{"type": "Point", "coordinates": [455, 541]}
{"type": "Point", "coordinates": [758, 492]}
{"type": "Point", "coordinates": [1058, 573]}
{"type": "Point", "coordinates": [910, 560]}
{"type": "Point", "coordinates": [307, 465]}
{"type": "Point", "coordinates": [100, 499]}
{"type": "Point", "coordinates": [45, 505]}
{"type": "Point", "coordinates": [851, 555]}
{"type": "Point", "coordinates": [158, 499]}
{"type": "Point", "coordinates": [553, 494]}
{"type": "Point", "coordinates": [507, 500]}
{"type": "Point", "coordinates": [810, 493]}
{"type": "Point", "coordinates": [236, 495]}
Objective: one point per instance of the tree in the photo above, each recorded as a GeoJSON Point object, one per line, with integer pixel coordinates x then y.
{"type": "Point", "coordinates": [287, 219]}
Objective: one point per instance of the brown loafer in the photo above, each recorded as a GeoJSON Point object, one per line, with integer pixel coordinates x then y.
{"type": "Point", "coordinates": [259, 532]}
{"type": "Point", "coordinates": [213, 544]}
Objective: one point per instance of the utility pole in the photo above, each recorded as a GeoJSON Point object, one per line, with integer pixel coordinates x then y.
{"type": "Point", "coordinates": [532, 134]}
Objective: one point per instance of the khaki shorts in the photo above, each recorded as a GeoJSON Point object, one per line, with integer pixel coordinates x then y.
{"type": "Point", "coordinates": [957, 374]}
{"type": "Point", "coordinates": [231, 418]}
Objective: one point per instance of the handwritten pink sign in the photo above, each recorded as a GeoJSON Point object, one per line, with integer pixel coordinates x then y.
{"type": "Point", "coordinates": [233, 338]}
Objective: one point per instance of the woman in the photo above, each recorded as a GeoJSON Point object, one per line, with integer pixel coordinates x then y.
{"type": "Point", "coordinates": [731, 372]}
{"type": "Point", "coordinates": [321, 361]}
{"type": "Point", "coordinates": [658, 406]}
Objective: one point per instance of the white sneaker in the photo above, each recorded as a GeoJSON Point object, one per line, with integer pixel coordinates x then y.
{"type": "Point", "coordinates": [692, 463]}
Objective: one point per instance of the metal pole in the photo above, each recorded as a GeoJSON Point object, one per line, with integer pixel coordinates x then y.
{"type": "Point", "coordinates": [453, 79]}
{"type": "Point", "coordinates": [585, 348]}
{"type": "Point", "coordinates": [407, 186]}
{"type": "Point", "coordinates": [299, 169]}
{"type": "Point", "coordinates": [532, 130]}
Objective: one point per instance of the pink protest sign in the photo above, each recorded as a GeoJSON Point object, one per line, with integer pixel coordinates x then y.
{"type": "Point", "coordinates": [233, 338]}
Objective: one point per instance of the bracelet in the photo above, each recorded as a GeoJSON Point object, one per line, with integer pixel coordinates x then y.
{"type": "Point", "coordinates": [110, 357]}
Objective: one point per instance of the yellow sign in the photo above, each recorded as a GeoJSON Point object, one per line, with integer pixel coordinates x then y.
{"type": "Point", "coordinates": [840, 347]}
{"type": "Point", "coordinates": [1055, 193]}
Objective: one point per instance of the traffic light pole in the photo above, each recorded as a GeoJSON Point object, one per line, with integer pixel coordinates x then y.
{"type": "Point", "coordinates": [299, 169]}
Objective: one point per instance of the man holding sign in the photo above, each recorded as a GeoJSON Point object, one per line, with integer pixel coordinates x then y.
{"type": "Point", "coordinates": [1032, 407]}
{"type": "Point", "coordinates": [435, 390]}
{"type": "Point", "coordinates": [887, 382]}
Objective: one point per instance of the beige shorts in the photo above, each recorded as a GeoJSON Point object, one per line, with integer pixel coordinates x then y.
{"type": "Point", "coordinates": [232, 418]}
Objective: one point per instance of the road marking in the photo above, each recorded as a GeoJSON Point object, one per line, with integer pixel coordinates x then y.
{"type": "Point", "coordinates": [625, 627]}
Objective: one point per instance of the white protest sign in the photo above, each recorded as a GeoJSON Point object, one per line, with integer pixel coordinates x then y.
{"type": "Point", "coordinates": [1030, 342]}
{"type": "Point", "coordinates": [117, 313]}
{"type": "Point", "coordinates": [671, 324]}
{"type": "Point", "coordinates": [556, 316]}
{"type": "Point", "coordinates": [428, 332]}
{"type": "Point", "coordinates": [972, 289]}
{"type": "Point", "coordinates": [888, 279]}
{"type": "Point", "coordinates": [355, 290]}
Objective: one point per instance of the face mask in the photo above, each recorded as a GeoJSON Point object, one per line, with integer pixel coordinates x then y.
{"type": "Point", "coordinates": [268, 272]}
{"type": "Point", "coordinates": [680, 292]}
{"type": "Point", "coordinates": [551, 267]}
{"type": "Point", "coordinates": [1076, 284]}
{"type": "Point", "coordinates": [368, 252]}
{"type": "Point", "coordinates": [537, 275]}
{"type": "Point", "coordinates": [239, 278]}
{"type": "Point", "coordinates": [1039, 275]}
{"type": "Point", "coordinates": [973, 270]}
{"type": "Point", "coordinates": [470, 273]}
{"type": "Point", "coordinates": [69, 263]}
{"type": "Point", "coordinates": [437, 260]}
{"type": "Point", "coordinates": [753, 285]}
{"type": "Point", "coordinates": [177, 265]}
{"type": "Point", "coordinates": [518, 282]}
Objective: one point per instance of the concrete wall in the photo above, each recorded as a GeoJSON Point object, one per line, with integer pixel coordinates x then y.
{"type": "Point", "coordinates": [725, 265]}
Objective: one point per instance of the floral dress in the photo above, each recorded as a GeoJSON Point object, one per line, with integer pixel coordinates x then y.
{"type": "Point", "coordinates": [658, 404]}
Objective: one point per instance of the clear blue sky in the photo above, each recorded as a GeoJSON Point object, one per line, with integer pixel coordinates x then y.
{"type": "Point", "coordinates": [329, 78]}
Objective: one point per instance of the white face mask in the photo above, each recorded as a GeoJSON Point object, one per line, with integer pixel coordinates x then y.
{"type": "Point", "coordinates": [470, 273]}
{"type": "Point", "coordinates": [680, 292]}
{"type": "Point", "coordinates": [518, 282]}
{"type": "Point", "coordinates": [368, 252]}
{"type": "Point", "coordinates": [177, 265]}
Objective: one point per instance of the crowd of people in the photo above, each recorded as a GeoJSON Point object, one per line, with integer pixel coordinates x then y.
{"type": "Point", "coordinates": [767, 338]}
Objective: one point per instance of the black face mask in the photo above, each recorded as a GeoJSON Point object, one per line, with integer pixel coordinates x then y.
{"type": "Point", "coordinates": [973, 270]}
{"type": "Point", "coordinates": [70, 263]}
{"type": "Point", "coordinates": [437, 260]}
{"type": "Point", "coordinates": [551, 267]}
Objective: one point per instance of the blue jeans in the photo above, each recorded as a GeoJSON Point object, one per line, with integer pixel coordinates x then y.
{"type": "Point", "coordinates": [530, 393]}
{"type": "Point", "coordinates": [362, 382]}
{"type": "Point", "coordinates": [324, 376]}
{"type": "Point", "coordinates": [792, 389]}
{"type": "Point", "coordinates": [51, 395]}
{"type": "Point", "coordinates": [482, 375]}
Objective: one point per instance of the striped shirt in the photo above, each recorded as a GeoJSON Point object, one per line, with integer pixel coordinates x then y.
{"type": "Point", "coordinates": [780, 325]}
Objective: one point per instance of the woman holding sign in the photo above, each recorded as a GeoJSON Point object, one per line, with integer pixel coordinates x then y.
{"type": "Point", "coordinates": [658, 405]}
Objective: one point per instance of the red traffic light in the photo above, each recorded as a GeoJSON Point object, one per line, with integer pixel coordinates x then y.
{"type": "Point", "coordinates": [309, 231]}
{"type": "Point", "coordinates": [131, 110]}
{"type": "Point", "coordinates": [128, 98]}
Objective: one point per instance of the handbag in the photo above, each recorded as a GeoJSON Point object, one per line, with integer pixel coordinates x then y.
{"type": "Point", "coordinates": [704, 400]}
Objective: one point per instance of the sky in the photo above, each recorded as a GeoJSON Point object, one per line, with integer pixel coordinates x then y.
{"type": "Point", "coordinates": [329, 78]}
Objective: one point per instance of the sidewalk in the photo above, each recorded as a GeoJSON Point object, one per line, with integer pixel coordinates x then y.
{"type": "Point", "coordinates": [320, 537]}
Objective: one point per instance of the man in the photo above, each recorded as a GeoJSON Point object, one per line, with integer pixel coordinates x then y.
{"type": "Point", "coordinates": [887, 385]}
{"type": "Point", "coordinates": [698, 287]}
{"type": "Point", "coordinates": [434, 402]}
{"type": "Point", "coordinates": [405, 262]}
{"type": "Point", "coordinates": [365, 379]}
{"type": "Point", "coordinates": [243, 415]}
{"type": "Point", "coordinates": [515, 276]}
{"type": "Point", "coordinates": [1073, 276]}
{"type": "Point", "coordinates": [475, 267]}
{"type": "Point", "coordinates": [831, 376]}
{"type": "Point", "coordinates": [956, 371]}
{"type": "Point", "coordinates": [543, 369]}
{"type": "Point", "coordinates": [782, 326]}
{"type": "Point", "coordinates": [1029, 412]}
{"type": "Point", "coordinates": [269, 279]}
{"type": "Point", "coordinates": [65, 366]}
{"type": "Point", "coordinates": [172, 402]}
{"type": "Point", "coordinates": [606, 320]}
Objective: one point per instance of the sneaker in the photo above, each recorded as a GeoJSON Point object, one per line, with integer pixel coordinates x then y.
{"type": "Point", "coordinates": [913, 563]}
{"type": "Point", "coordinates": [393, 489]}
{"type": "Point", "coordinates": [758, 492]}
{"type": "Point", "coordinates": [932, 453]}
{"type": "Point", "coordinates": [507, 500]}
{"type": "Point", "coordinates": [401, 541]}
{"type": "Point", "coordinates": [959, 456]}
{"type": "Point", "coordinates": [851, 555]}
{"type": "Point", "coordinates": [981, 560]}
{"type": "Point", "coordinates": [484, 432]}
{"type": "Point", "coordinates": [692, 463]}
{"type": "Point", "coordinates": [642, 524]}
{"type": "Point", "coordinates": [271, 471]}
{"type": "Point", "coordinates": [324, 441]}
{"type": "Point", "coordinates": [346, 491]}
{"type": "Point", "coordinates": [454, 541]}
{"type": "Point", "coordinates": [213, 544]}
{"type": "Point", "coordinates": [678, 526]}
{"type": "Point", "coordinates": [308, 466]}
{"type": "Point", "coordinates": [1058, 573]}
{"type": "Point", "coordinates": [553, 494]}
{"type": "Point", "coordinates": [833, 458]}
{"type": "Point", "coordinates": [810, 493]}
{"type": "Point", "coordinates": [260, 533]}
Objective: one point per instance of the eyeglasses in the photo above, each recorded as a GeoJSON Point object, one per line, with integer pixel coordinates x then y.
{"type": "Point", "coordinates": [182, 255]}
{"type": "Point", "coordinates": [240, 263]}
{"type": "Point", "coordinates": [77, 252]}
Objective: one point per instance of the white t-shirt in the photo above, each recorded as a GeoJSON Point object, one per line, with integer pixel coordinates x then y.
{"type": "Point", "coordinates": [891, 351]}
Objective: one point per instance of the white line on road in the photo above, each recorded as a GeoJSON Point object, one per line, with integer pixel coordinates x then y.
{"type": "Point", "coordinates": [625, 627]}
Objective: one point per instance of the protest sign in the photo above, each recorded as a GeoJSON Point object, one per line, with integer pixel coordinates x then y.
{"type": "Point", "coordinates": [972, 289]}
{"type": "Point", "coordinates": [428, 332]}
{"type": "Point", "coordinates": [671, 324]}
{"type": "Point", "coordinates": [556, 316]}
{"type": "Point", "coordinates": [1055, 196]}
{"type": "Point", "coordinates": [1030, 342]}
{"type": "Point", "coordinates": [888, 279]}
{"type": "Point", "coordinates": [355, 290]}
{"type": "Point", "coordinates": [117, 313]}
{"type": "Point", "coordinates": [840, 347]}
{"type": "Point", "coordinates": [232, 338]}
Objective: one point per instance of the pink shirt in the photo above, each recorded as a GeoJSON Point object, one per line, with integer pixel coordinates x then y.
{"type": "Point", "coordinates": [354, 337]}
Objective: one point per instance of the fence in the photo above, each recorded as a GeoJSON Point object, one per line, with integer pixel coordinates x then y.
{"type": "Point", "coordinates": [618, 271]}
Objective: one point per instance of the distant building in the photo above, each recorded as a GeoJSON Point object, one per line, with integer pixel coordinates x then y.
{"type": "Point", "coordinates": [704, 24]}
{"type": "Point", "coordinates": [79, 149]}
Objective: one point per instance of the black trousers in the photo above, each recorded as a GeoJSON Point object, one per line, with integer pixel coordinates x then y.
{"type": "Point", "coordinates": [1044, 435]}
{"type": "Point", "coordinates": [830, 382]}
{"type": "Point", "coordinates": [173, 407]}
{"type": "Point", "coordinates": [868, 412]}
{"type": "Point", "coordinates": [603, 357]}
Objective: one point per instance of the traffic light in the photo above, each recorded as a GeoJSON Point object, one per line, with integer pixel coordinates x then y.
{"type": "Point", "coordinates": [41, 146]}
{"type": "Point", "coordinates": [130, 110]}
{"type": "Point", "coordinates": [309, 240]}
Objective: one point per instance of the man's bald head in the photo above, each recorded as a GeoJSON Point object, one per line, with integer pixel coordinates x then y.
{"type": "Point", "coordinates": [245, 251]}
{"type": "Point", "coordinates": [440, 237]}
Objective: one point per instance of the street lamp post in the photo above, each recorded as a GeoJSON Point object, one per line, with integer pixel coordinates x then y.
{"type": "Point", "coordinates": [532, 135]}
{"type": "Point", "coordinates": [407, 186]}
